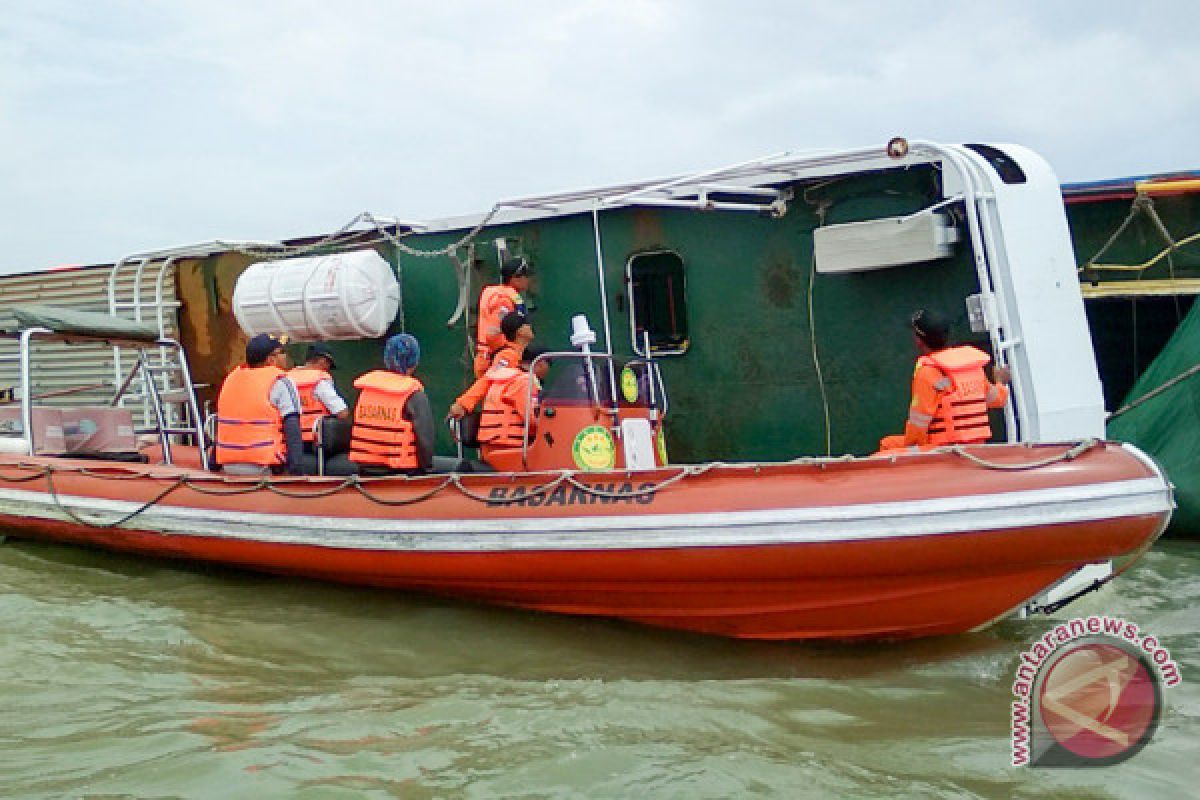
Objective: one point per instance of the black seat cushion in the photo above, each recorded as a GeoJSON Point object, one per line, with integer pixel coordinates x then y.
{"type": "Point", "coordinates": [335, 436]}
{"type": "Point", "coordinates": [466, 429]}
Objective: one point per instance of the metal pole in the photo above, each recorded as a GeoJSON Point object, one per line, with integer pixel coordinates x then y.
{"type": "Point", "coordinates": [612, 378]}
{"type": "Point", "coordinates": [27, 387]}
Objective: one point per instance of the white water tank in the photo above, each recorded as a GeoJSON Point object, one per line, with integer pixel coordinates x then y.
{"type": "Point", "coordinates": [318, 298]}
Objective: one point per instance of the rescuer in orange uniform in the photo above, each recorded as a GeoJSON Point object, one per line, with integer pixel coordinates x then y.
{"type": "Point", "coordinates": [495, 302]}
{"type": "Point", "coordinates": [258, 414]}
{"type": "Point", "coordinates": [505, 392]}
{"type": "Point", "coordinates": [318, 396]}
{"type": "Point", "coordinates": [393, 424]}
{"type": "Point", "coordinates": [951, 394]}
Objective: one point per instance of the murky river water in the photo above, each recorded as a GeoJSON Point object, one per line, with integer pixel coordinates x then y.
{"type": "Point", "coordinates": [126, 677]}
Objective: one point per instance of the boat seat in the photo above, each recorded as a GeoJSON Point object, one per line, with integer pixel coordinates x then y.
{"type": "Point", "coordinates": [330, 446]}
{"type": "Point", "coordinates": [466, 429]}
{"type": "Point", "coordinates": [471, 465]}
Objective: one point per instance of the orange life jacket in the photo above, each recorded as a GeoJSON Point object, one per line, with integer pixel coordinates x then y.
{"type": "Point", "coordinates": [249, 428]}
{"type": "Point", "coordinates": [962, 415]}
{"type": "Point", "coordinates": [494, 302]}
{"type": "Point", "coordinates": [311, 409]}
{"type": "Point", "coordinates": [502, 423]}
{"type": "Point", "coordinates": [381, 435]}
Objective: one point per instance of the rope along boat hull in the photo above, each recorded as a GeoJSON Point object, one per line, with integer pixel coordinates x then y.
{"type": "Point", "coordinates": [913, 545]}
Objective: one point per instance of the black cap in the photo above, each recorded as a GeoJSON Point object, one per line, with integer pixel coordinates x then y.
{"type": "Point", "coordinates": [930, 328]}
{"type": "Point", "coordinates": [320, 351]}
{"type": "Point", "coordinates": [261, 346]}
{"type": "Point", "coordinates": [512, 267]}
{"type": "Point", "coordinates": [511, 322]}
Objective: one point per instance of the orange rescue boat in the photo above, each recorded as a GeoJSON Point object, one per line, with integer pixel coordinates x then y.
{"type": "Point", "coordinates": [896, 546]}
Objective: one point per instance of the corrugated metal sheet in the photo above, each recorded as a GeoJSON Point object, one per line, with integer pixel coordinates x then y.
{"type": "Point", "coordinates": [58, 367]}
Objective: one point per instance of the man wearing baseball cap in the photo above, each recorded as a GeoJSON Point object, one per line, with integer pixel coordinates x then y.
{"type": "Point", "coordinates": [318, 396]}
{"type": "Point", "coordinates": [258, 414]}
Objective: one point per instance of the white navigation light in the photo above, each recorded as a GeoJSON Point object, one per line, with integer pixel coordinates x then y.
{"type": "Point", "coordinates": [582, 334]}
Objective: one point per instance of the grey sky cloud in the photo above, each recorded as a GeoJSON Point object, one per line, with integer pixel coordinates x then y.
{"type": "Point", "coordinates": [127, 126]}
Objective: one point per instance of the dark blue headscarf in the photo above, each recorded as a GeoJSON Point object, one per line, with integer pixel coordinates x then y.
{"type": "Point", "coordinates": [402, 352]}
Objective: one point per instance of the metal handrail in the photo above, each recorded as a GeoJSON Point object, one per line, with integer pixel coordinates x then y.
{"type": "Point", "coordinates": [652, 371]}
{"type": "Point", "coordinates": [593, 389]}
{"type": "Point", "coordinates": [26, 337]}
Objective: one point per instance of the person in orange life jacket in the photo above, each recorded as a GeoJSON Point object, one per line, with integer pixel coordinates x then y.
{"type": "Point", "coordinates": [258, 414]}
{"type": "Point", "coordinates": [510, 402]}
{"type": "Point", "coordinates": [495, 302]}
{"type": "Point", "coordinates": [518, 334]}
{"type": "Point", "coordinates": [393, 424]}
{"type": "Point", "coordinates": [318, 396]}
{"type": "Point", "coordinates": [950, 392]}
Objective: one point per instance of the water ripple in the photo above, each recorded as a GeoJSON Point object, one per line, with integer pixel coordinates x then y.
{"type": "Point", "coordinates": [128, 677]}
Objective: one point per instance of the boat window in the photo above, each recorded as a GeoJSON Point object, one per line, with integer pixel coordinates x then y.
{"type": "Point", "coordinates": [657, 302]}
{"type": "Point", "coordinates": [570, 382]}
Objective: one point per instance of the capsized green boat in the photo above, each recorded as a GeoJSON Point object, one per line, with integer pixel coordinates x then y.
{"type": "Point", "coordinates": [1137, 242]}
{"type": "Point", "coordinates": [775, 294]}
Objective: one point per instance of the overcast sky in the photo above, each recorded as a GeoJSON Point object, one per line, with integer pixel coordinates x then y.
{"type": "Point", "coordinates": [128, 126]}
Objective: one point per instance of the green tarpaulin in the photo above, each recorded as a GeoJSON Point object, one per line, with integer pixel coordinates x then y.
{"type": "Point", "coordinates": [68, 321]}
{"type": "Point", "coordinates": [1167, 425]}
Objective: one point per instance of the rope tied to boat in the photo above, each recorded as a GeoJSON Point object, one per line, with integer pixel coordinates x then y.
{"type": "Point", "coordinates": [537, 491]}
{"type": "Point", "coordinates": [223, 486]}
{"type": "Point", "coordinates": [48, 473]}
{"type": "Point", "coordinates": [1150, 395]}
{"type": "Point", "coordinates": [1068, 455]}
{"type": "Point", "coordinates": [228, 488]}
{"type": "Point", "coordinates": [357, 484]}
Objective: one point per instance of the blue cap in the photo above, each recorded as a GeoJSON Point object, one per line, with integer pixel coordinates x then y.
{"type": "Point", "coordinates": [261, 346]}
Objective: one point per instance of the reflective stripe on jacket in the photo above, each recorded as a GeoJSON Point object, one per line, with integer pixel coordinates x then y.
{"type": "Point", "coordinates": [249, 427]}
{"type": "Point", "coordinates": [381, 435]}
{"type": "Point", "coordinates": [311, 409]}
{"type": "Point", "coordinates": [961, 415]}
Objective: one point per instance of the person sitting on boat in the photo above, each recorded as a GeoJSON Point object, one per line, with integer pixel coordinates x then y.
{"type": "Point", "coordinates": [517, 334]}
{"type": "Point", "coordinates": [318, 396]}
{"type": "Point", "coordinates": [509, 395]}
{"type": "Point", "coordinates": [393, 424]}
{"type": "Point", "coordinates": [258, 414]}
{"type": "Point", "coordinates": [496, 301]}
{"type": "Point", "coordinates": [951, 394]}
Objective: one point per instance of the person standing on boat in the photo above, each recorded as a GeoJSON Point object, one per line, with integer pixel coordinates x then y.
{"type": "Point", "coordinates": [393, 423]}
{"type": "Point", "coordinates": [496, 301]}
{"type": "Point", "coordinates": [951, 394]}
{"type": "Point", "coordinates": [318, 396]}
{"type": "Point", "coordinates": [258, 414]}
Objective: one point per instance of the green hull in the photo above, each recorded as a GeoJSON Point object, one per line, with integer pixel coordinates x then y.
{"type": "Point", "coordinates": [1145, 326]}
{"type": "Point", "coordinates": [748, 385]}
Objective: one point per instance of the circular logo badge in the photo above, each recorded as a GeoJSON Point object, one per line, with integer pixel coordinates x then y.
{"type": "Point", "coordinates": [661, 441]}
{"type": "Point", "coordinates": [629, 385]}
{"type": "Point", "coordinates": [1100, 702]}
{"type": "Point", "coordinates": [594, 449]}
